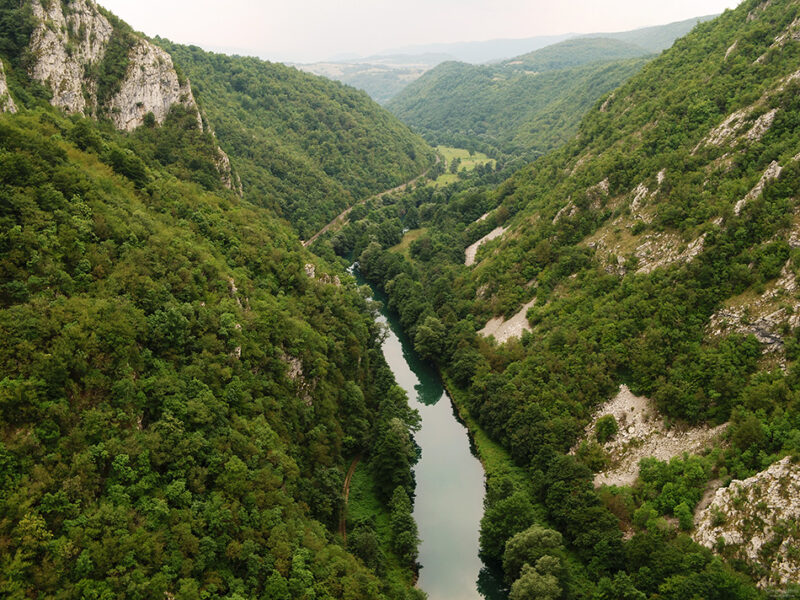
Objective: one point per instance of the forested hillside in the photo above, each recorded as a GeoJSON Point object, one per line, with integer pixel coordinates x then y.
{"type": "Point", "coordinates": [574, 53]}
{"type": "Point", "coordinates": [302, 145]}
{"type": "Point", "coordinates": [531, 104]}
{"type": "Point", "coordinates": [657, 250]}
{"type": "Point", "coordinates": [182, 386]}
{"type": "Point", "coordinates": [504, 110]}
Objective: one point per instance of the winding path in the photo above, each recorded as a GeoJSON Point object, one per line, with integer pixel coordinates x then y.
{"type": "Point", "coordinates": [346, 494]}
{"type": "Point", "coordinates": [341, 218]}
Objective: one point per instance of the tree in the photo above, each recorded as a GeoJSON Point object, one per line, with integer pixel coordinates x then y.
{"type": "Point", "coordinates": [430, 338]}
{"type": "Point", "coordinates": [529, 546]}
{"type": "Point", "coordinates": [606, 428]}
{"type": "Point", "coordinates": [533, 584]}
{"type": "Point", "coordinates": [405, 538]}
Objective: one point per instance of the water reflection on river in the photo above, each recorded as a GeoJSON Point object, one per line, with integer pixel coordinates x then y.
{"type": "Point", "coordinates": [450, 483]}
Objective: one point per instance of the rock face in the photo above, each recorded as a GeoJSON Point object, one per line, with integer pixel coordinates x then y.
{"type": "Point", "coordinates": [70, 43]}
{"type": "Point", "coordinates": [151, 85]}
{"type": "Point", "coordinates": [6, 101]}
{"type": "Point", "coordinates": [641, 435]}
{"type": "Point", "coordinates": [71, 39]}
{"type": "Point", "coordinates": [65, 47]}
{"type": "Point", "coordinates": [755, 520]}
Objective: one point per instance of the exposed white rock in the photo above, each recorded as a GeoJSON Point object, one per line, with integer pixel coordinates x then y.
{"type": "Point", "coordinates": [765, 316]}
{"type": "Point", "coordinates": [150, 86]}
{"type": "Point", "coordinates": [641, 435]}
{"type": "Point", "coordinates": [662, 175]}
{"type": "Point", "coordinates": [662, 249]}
{"type": "Point", "coordinates": [503, 330]}
{"type": "Point", "coordinates": [64, 46]}
{"type": "Point", "coordinates": [773, 172]}
{"type": "Point", "coordinates": [762, 125]}
{"type": "Point", "coordinates": [6, 101]}
{"type": "Point", "coordinates": [730, 49]}
{"type": "Point", "coordinates": [569, 210]}
{"type": "Point", "coordinates": [725, 130]}
{"type": "Point", "coordinates": [311, 271]}
{"type": "Point", "coordinates": [229, 179]}
{"type": "Point", "coordinates": [472, 250]}
{"type": "Point", "coordinates": [755, 520]}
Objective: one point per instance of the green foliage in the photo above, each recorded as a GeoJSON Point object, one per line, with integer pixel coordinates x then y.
{"type": "Point", "coordinates": [606, 428]}
{"type": "Point", "coordinates": [155, 439]}
{"type": "Point", "coordinates": [573, 53]}
{"type": "Point", "coordinates": [110, 72]}
{"type": "Point", "coordinates": [303, 145]}
{"type": "Point", "coordinates": [529, 547]}
{"type": "Point", "coordinates": [16, 26]}
{"type": "Point", "coordinates": [534, 584]}
{"type": "Point", "coordinates": [503, 109]}
{"type": "Point", "coordinates": [597, 322]}
{"type": "Point", "coordinates": [404, 530]}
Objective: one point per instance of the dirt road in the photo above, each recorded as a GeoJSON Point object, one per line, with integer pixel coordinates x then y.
{"type": "Point", "coordinates": [346, 494]}
{"type": "Point", "coordinates": [342, 217]}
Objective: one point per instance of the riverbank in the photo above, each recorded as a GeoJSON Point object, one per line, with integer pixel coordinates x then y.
{"type": "Point", "coordinates": [496, 460]}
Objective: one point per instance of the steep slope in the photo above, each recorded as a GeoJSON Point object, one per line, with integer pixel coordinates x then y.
{"type": "Point", "coordinates": [303, 145]}
{"type": "Point", "coordinates": [182, 386]}
{"type": "Point", "coordinates": [659, 250]}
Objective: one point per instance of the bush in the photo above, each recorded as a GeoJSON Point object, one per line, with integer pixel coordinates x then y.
{"type": "Point", "coordinates": [606, 428]}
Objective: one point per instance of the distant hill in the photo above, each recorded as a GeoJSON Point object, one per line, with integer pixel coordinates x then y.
{"type": "Point", "coordinates": [305, 145]}
{"type": "Point", "coordinates": [384, 76]}
{"type": "Point", "coordinates": [658, 38]}
{"type": "Point", "coordinates": [530, 104]}
{"type": "Point", "coordinates": [576, 52]}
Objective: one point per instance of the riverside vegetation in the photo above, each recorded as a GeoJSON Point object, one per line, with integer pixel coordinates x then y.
{"type": "Point", "coordinates": [676, 199]}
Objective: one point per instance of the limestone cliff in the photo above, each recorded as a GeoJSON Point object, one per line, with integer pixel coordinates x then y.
{"type": "Point", "coordinates": [755, 521]}
{"type": "Point", "coordinates": [6, 101]}
{"type": "Point", "coordinates": [69, 44]}
{"type": "Point", "coordinates": [77, 47]}
{"type": "Point", "coordinates": [69, 39]}
{"type": "Point", "coordinates": [151, 85]}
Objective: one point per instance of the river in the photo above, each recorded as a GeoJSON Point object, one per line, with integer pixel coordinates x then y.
{"type": "Point", "coordinates": [450, 482]}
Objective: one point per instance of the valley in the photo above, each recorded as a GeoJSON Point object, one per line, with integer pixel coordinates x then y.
{"type": "Point", "coordinates": [529, 331]}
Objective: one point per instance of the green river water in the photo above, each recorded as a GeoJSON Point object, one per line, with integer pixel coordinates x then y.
{"type": "Point", "coordinates": [450, 482]}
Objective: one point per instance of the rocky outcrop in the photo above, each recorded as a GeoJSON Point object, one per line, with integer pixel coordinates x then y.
{"type": "Point", "coordinates": [471, 252]}
{"type": "Point", "coordinates": [503, 330]}
{"type": "Point", "coordinates": [755, 520]}
{"type": "Point", "coordinates": [71, 39]}
{"type": "Point", "coordinates": [6, 101]}
{"type": "Point", "coordinates": [69, 44]}
{"type": "Point", "coordinates": [772, 172]}
{"type": "Point", "coordinates": [65, 45]}
{"type": "Point", "coordinates": [642, 434]}
{"type": "Point", "coordinates": [767, 316]}
{"type": "Point", "coordinates": [151, 85]}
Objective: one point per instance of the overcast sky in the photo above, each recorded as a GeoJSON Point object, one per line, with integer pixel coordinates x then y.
{"type": "Point", "coordinates": [312, 30]}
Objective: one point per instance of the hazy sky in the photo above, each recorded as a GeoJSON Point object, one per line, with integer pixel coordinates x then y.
{"type": "Point", "coordinates": [311, 30]}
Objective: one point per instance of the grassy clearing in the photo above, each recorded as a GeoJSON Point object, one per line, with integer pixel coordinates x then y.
{"type": "Point", "coordinates": [405, 244]}
{"type": "Point", "coordinates": [364, 504]}
{"type": "Point", "coordinates": [468, 162]}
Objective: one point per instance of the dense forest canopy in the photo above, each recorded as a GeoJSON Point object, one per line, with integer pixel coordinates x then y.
{"type": "Point", "coordinates": [182, 386]}
{"type": "Point", "coordinates": [304, 146]}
